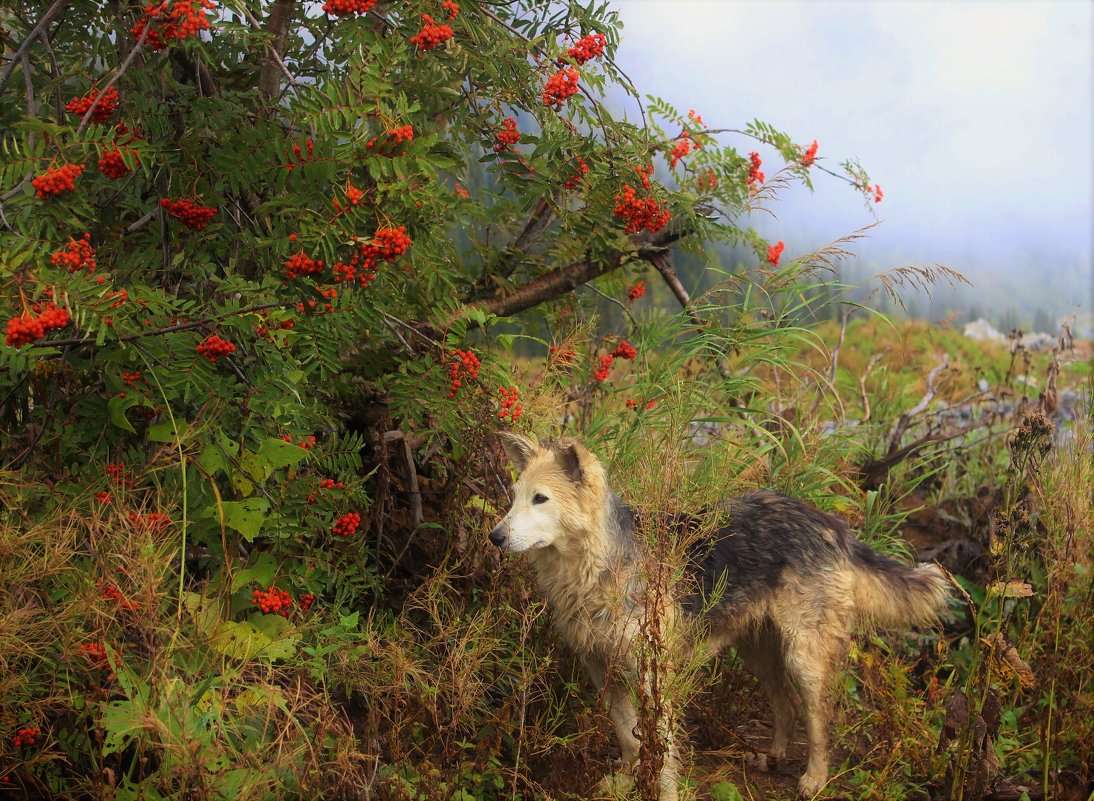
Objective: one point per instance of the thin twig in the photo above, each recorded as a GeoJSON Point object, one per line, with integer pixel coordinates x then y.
{"type": "Point", "coordinates": [35, 32]}
{"type": "Point", "coordinates": [121, 71]}
{"type": "Point", "coordinates": [58, 343]}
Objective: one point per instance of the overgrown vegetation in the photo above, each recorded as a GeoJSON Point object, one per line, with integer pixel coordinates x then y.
{"type": "Point", "coordinates": [249, 392]}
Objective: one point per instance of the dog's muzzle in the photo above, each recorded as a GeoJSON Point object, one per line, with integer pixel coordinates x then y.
{"type": "Point", "coordinates": [500, 534]}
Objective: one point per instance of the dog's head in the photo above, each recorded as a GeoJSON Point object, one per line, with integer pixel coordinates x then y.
{"type": "Point", "coordinates": [558, 494]}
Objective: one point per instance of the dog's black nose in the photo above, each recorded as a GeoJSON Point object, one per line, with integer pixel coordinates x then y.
{"type": "Point", "coordinates": [500, 534]}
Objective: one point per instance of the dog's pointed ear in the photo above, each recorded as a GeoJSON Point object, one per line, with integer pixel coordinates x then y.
{"type": "Point", "coordinates": [518, 448]}
{"type": "Point", "coordinates": [569, 460]}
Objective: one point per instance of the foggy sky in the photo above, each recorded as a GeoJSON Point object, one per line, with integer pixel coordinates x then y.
{"type": "Point", "coordinates": [976, 118]}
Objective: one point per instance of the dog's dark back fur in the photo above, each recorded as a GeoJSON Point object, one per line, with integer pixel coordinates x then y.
{"type": "Point", "coordinates": [762, 537]}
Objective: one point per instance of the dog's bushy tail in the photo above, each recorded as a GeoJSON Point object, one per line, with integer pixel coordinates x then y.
{"type": "Point", "coordinates": [890, 593]}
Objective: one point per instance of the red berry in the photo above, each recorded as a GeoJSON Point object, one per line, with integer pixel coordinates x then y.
{"type": "Point", "coordinates": [346, 525]}
{"type": "Point", "coordinates": [190, 213]}
{"type": "Point", "coordinates": [172, 20]}
{"type": "Point", "coordinates": [560, 87]}
{"type": "Point", "coordinates": [106, 106]}
{"type": "Point", "coordinates": [343, 8]}
{"type": "Point", "coordinates": [78, 255]}
{"type": "Point", "coordinates": [587, 47]}
{"type": "Point", "coordinates": [431, 35]}
{"type": "Point", "coordinates": [214, 348]}
{"type": "Point", "coordinates": [54, 182]}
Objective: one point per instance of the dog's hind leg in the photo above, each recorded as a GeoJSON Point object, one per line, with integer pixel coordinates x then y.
{"type": "Point", "coordinates": [621, 711]}
{"type": "Point", "coordinates": [813, 649]}
{"type": "Point", "coordinates": [761, 652]}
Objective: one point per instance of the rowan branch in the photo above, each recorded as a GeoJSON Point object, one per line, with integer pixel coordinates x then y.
{"type": "Point", "coordinates": [661, 261]}
{"type": "Point", "coordinates": [269, 82]}
{"type": "Point", "coordinates": [35, 32]}
{"type": "Point", "coordinates": [565, 279]}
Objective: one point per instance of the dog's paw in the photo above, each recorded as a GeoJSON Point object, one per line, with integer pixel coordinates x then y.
{"type": "Point", "coordinates": [809, 786]}
{"type": "Point", "coordinates": [757, 760]}
{"type": "Point", "coordinates": [615, 785]}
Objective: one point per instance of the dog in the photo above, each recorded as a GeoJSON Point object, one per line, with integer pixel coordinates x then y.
{"type": "Point", "coordinates": [780, 580]}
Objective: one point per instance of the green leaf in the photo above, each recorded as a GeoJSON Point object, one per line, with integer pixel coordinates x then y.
{"type": "Point", "coordinates": [725, 791]}
{"type": "Point", "coordinates": [261, 571]}
{"type": "Point", "coordinates": [116, 407]}
{"type": "Point", "coordinates": [279, 453]}
{"type": "Point", "coordinates": [246, 516]}
{"type": "Point", "coordinates": [163, 431]}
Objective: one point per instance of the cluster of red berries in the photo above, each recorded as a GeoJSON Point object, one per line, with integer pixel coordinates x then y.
{"type": "Point", "coordinates": [604, 367]}
{"type": "Point", "coordinates": [305, 601]}
{"type": "Point", "coordinates": [451, 8]}
{"type": "Point", "coordinates": [387, 244]}
{"type": "Point", "coordinates": [461, 191]}
{"type": "Point", "coordinates": [112, 593]}
{"type": "Point", "coordinates": [116, 472]}
{"type": "Point", "coordinates": [343, 8]}
{"type": "Point", "coordinates": [78, 255]}
{"type": "Point", "coordinates": [696, 118]}
{"type": "Point", "coordinates": [431, 35]}
{"type": "Point", "coordinates": [353, 195]}
{"type": "Point", "coordinates": [172, 19]}
{"type": "Point", "coordinates": [298, 155]}
{"type": "Point", "coordinates": [681, 148]}
{"type": "Point", "coordinates": [112, 165]}
{"type": "Point", "coordinates": [464, 363]}
{"type": "Point", "coordinates": [706, 182]}
{"type": "Point", "coordinates": [310, 306]}
{"type": "Point", "coordinates": [510, 406]}
{"type": "Point", "coordinates": [54, 182]}
{"type": "Point", "coordinates": [118, 298]}
{"type": "Point", "coordinates": [575, 178]}
{"type": "Point", "coordinates": [283, 325]}
{"type": "Point", "coordinates": [394, 141]}
{"type": "Point", "coordinates": [755, 174]}
{"type": "Point", "coordinates": [508, 136]}
{"type": "Point", "coordinates": [191, 213]}
{"type": "Point", "coordinates": [810, 155]}
{"type": "Point", "coordinates": [625, 350]}
{"type": "Point", "coordinates": [636, 291]}
{"type": "Point", "coordinates": [155, 522]}
{"type": "Point", "coordinates": [640, 213]}
{"type": "Point", "coordinates": [563, 355]}
{"type": "Point", "coordinates": [774, 253]}
{"type": "Point", "coordinates": [107, 105]}
{"type": "Point", "coordinates": [346, 525]}
{"type": "Point", "coordinates": [560, 87]}
{"type": "Point", "coordinates": [214, 348]}
{"type": "Point", "coordinates": [95, 653]}
{"type": "Point", "coordinates": [273, 601]}
{"type": "Point", "coordinates": [104, 497]}
{"type": "Point", "coordinates": [307, 443]}
{"type": "Point", "coordinates": [325, 484]}
{"type": "Point", "coordinates": [300, 264]}
{"type": "Point", "coordinates": [26, 737]}
{"type": "Point", "coordinates": [27, 328]}
{"type": "Point", "coordinates": [636, 403]}
{"type": "Point", "coordinates": [878, 194]}
{"type": "Point", "coordinates": [587, 48]}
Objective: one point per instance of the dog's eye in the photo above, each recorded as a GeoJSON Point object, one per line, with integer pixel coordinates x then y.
{"type": "Point", "coordinates": [539, 497]}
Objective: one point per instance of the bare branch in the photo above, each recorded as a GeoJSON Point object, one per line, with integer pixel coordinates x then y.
{"type": "Point", "coordinates": [35, 32]}
{"type": "Point", "coordinates": [269, 83]}
{"type": "Point", "coordinates": [113, 79]}
{"type": "Point", "coordinates": [661, 261]}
